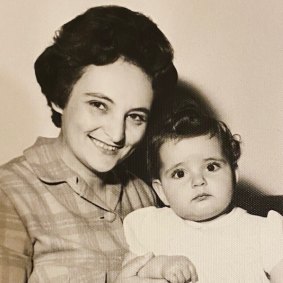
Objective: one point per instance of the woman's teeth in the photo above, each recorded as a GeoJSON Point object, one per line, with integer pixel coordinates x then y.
{"type": "Point", "coordinates": [104, 146]}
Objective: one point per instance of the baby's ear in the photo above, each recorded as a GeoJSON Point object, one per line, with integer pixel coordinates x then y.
{"type": "Point", "coordinates": [156, 184]}
{"type": "Point", "coordinates": [56, 108]}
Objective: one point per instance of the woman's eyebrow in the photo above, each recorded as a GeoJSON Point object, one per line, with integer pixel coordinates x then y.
{"type": "Point", "coordinates": [141, 109]}
{"type": "Point", "coordinates": [99, 95]}
{"type": "Point", "coordinates": [215, 159]}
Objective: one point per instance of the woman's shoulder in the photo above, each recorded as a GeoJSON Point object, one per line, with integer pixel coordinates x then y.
{"type": "Point", "coordinates": [18, 170]}
{"type": "Point", "coordinates": [20, 163]}
{"type": "Point", "coordinates": [12, 168]}
{"type": "Point", "coordinates": [13, 177]}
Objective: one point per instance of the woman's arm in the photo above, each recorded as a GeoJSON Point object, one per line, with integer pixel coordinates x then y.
{"type": "Point", "coordinates": [131, 267]}
{"type": "Point", "coordinates": [151, 268]}
{"type": "Point", "coordinates": [15, 245]}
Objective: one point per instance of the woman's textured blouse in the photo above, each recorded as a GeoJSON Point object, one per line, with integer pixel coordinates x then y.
{"type": "Point", "coordinates": [54, 228]}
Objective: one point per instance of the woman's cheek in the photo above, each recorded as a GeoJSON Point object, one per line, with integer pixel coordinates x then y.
{"type": "Point", "coordinates": [135, 134]}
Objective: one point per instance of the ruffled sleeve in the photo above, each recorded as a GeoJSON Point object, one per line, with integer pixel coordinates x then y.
{"type": "Point", "coordinates": [136, 230]}
{"type": "Point", "coordinates": [272, 240]}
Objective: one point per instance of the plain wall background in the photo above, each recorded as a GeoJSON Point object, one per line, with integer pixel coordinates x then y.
{"type": "Point", "coordinates": [230, 50]}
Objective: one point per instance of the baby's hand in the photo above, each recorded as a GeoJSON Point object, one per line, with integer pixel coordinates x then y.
{"type": "Point", "coordinates": [178, 269]}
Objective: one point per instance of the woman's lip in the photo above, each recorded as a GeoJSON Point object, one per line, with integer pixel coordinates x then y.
{"type": "Point", "coordinates": [104, 145]}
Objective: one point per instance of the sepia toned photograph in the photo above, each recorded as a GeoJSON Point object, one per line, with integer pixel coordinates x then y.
{"type": "Point", "coordinates": [141, 141]}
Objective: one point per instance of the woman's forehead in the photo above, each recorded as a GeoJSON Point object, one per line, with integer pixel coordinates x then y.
{"type": "Point", "coordinates": [119, 82]}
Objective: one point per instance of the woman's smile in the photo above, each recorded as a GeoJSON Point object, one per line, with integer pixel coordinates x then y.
{"type": "Point", "coordinates": [105, 146]}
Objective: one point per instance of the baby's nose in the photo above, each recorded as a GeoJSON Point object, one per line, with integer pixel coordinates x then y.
{"type": "Point", "coordinates": [198, 180]}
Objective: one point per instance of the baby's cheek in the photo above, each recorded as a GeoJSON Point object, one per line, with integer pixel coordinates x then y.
{"type": "Point", "coordinates": [181, 210]}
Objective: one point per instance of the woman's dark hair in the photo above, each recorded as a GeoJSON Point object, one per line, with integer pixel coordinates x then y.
{"type": "Point", "coordinates": [101, 36]}
{"type": "Point", "coordinates": [189, 122]}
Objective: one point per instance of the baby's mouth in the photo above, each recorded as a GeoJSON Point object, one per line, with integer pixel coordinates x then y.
{"type": "Point", "coordinates": [201, 197]}
{"type": "Point", "coordinates": [103, 145]}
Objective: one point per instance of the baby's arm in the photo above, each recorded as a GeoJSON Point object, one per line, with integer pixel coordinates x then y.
{"type": "Point", "coordinates": [175, 269]}
{"type": "Point", "coordinates": [136, 227]}
{"type": "Point", "coordinates": [276, 274]}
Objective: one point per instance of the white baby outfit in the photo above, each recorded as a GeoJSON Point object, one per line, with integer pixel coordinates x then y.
{"type": "Point", "coordinates": [235, 248]}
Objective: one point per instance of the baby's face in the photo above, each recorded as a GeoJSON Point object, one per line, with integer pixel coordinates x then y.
{"type": "Point", "coordinates": [196, 178]}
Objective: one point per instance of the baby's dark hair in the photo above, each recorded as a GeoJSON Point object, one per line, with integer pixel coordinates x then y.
{"type": "Point", "coordinates": [186, 123]}
{"type": "Point", "coordinates": [101, 36]}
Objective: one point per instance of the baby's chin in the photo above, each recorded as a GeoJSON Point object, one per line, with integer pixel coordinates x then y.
{"type": "Point", "coordinates": [206, 217]}
{"type": "Point", "coordinates": [205, 213]}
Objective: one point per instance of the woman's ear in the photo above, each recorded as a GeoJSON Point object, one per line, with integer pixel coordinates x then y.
{"type": "Point", "coordinates": [56, 108]}
{"type": "Point", "coordinates": [156, 184]}
{"type": "Point", "coordinates": [237, 175]}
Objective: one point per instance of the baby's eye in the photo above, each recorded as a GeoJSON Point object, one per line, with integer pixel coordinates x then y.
{"type": "Point", "coordinates": [97, 104]}
{"type": "Point", "coordinates": [212, 167]}
{"type": "Point", "coordinates": [178, 174]}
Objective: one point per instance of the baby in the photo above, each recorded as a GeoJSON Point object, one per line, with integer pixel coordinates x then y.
{"type": "Point", "coordinates": [200, 235]}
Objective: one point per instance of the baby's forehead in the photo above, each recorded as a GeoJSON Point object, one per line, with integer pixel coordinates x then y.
{"type": "Point", "coordinates": [202, 147]}
{"type": "Point", "coordinates": [206, 140]}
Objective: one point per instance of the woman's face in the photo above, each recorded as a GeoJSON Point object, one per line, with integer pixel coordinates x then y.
{"type": "Point", "coordinates": [106, 116]}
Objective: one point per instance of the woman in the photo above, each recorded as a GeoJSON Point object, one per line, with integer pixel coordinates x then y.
{"type": "Point", "coordinates": [62, 203]}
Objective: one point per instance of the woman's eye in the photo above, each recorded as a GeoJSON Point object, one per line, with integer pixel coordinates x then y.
{"type": "Point", "coordinates": [212, 167]}
{"type": "Point", "coordinates": [177, 174]}
{"type": "Point", "coordinates": [98, 105]}
{"type": "Point", "coordinates": [138, 118]}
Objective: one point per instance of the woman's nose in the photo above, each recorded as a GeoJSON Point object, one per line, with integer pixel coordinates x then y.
{"type": "Point", "coordinates": [116, 131]}
{"type": "Point", "coordinates": [198, 180]}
